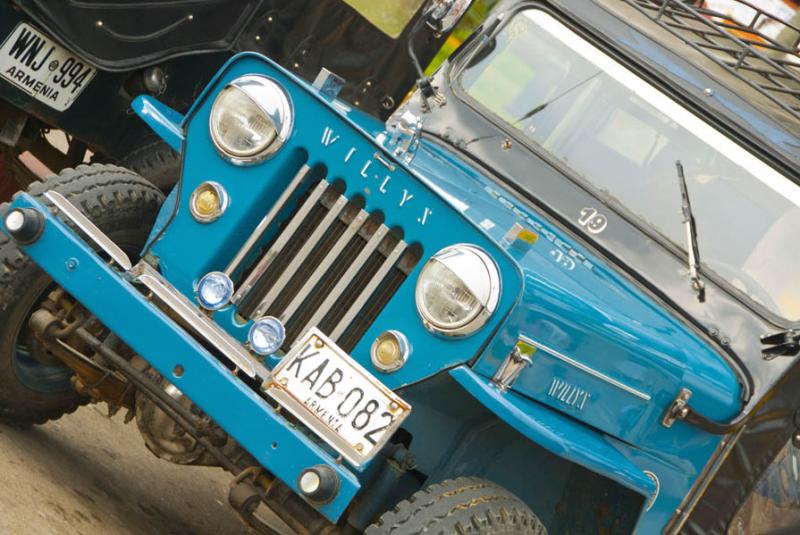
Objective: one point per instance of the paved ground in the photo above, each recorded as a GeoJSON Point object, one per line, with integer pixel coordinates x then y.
{"type": "Point", "coordinates": [90, 475]}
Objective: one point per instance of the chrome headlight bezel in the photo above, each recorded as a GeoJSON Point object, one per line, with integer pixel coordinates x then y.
{"type": "Point", "coordinates": [272, 100]}
{"type": "Point", "coordinates": [479, 274]}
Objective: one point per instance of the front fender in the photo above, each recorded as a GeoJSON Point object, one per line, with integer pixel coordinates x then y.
{"type": "Point", "coordinates": [558, 434]}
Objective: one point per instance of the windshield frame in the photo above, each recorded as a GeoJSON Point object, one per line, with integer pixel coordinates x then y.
{"type": "Point", "coordinates": [453, 75]}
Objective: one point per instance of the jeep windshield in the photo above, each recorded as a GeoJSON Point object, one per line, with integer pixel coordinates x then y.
{"type": "Point", "coordinates": [621, 137]}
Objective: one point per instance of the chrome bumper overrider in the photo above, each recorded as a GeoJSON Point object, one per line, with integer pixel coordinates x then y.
{"type": "Point", "coordinates": [198, 323]}
{"type": "Point", "coordinates": [170, 333]}
{"type": "Point", "coordinates": [190, 316]}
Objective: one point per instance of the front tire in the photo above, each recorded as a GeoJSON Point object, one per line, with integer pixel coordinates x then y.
{"type": "Point", "coordinates": [155, 161]}
{"type": "Point", "coordinates": [466, 505]}
{"type": "Point", "coordinates": [34, 386]}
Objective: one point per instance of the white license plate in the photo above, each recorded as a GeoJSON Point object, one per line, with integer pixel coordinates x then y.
{"type": "Point", "coordinates": [336, 398]}
{"type": "Point", "coordinates": [45, 70]}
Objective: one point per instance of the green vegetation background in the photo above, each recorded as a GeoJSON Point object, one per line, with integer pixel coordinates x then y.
{"type": "Point", "coordinates": [391, 16]}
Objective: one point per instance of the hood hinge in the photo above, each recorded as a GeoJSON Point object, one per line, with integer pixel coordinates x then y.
{"type": "Point", "coordinates": [517, 360]}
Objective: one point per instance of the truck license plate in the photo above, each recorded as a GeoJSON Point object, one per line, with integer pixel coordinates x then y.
{"type": "Point", "coordinates": [336, 398]}
{"type": "Point", "coordinates": [45, 70]}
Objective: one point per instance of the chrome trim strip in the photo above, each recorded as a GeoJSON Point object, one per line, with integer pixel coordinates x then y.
{"type": "Point", "coordinates": [258, 233]}
{"type": "Point", "coordinates": [71, 212]}
{"type": "Point", "coordinates": [354, 226]}
{"type": "Point", "coordinates": [280, 243]}
{"type": "Point", "coordinates": [367, 291]}
{"type": "Point", "coordinates": [583, 367]}
{"type": "Point", "coordinates": [346, 278]}
{"type": "Point", "coordinates": [199, 322]}
{"type": "Point", "coordinates": [301, 256]}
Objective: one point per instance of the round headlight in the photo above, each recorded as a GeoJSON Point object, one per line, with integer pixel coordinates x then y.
{"type": "Point", "coordinates": [214, 290]}
{"type": "Point", "coordinates": [458, 290]}
{"type": "Point", "coordinates": [251, 119]}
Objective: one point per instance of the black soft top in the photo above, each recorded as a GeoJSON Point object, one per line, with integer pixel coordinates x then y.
{"type": "Point", "coordinates": [301, 35]}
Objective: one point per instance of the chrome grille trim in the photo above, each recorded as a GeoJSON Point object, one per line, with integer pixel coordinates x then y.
{"type": "Point", "coordinates": [354, 226]}
{"type": "Point", "coordinates": [346, 278]}
{"type": "Point", "coordinates": [262, 226]}
{"type": "Point", "coordinates": [279, 243]}
{"type": "Point", "coordinates": [367, 291]}
{"type": "Point", "coordinates": [301, 256]}
{"type": "Point", "coordinates": [201, 324]}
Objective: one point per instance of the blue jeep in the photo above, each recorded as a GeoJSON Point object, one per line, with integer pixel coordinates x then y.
{"type": "Point", "coordinates": [555, 292]}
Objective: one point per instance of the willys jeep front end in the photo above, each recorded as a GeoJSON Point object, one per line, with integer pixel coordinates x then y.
{"type": "Point", "coordinates": [493, 287]}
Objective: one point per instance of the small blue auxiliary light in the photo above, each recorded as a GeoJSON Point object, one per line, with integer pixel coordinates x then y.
{"type": "Point", "coordinates": [266, 335]}
{"type": "Point", "coordinates": [214, 290]}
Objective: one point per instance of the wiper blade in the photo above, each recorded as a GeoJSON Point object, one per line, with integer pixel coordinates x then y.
{"type": "Point", "coordinates": [691, 237]}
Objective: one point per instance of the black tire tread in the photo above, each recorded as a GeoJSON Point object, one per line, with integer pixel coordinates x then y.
{"type": "Point", "coordinates": [463, 506]}
{"type": "Point", "coordinates": [96, 189]}
{"type": "Point", "coordinates": [155, 161]}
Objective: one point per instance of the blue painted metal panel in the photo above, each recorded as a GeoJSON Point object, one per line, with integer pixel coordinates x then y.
{"type": "Point", "coordinates": [580, 308]}
{"type": "Point", "coordinates": [164, 121]}
{"type": "Point", "coordinates": [278, 446]}
{"type": "Point", "coordinates": [556, 433]}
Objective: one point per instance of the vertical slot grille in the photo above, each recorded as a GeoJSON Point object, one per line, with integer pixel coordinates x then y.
{"type": "Point", "coordinates": [330, 264]}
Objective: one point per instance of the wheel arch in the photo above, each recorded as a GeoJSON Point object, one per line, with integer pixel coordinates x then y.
{"type": "Point", "coordinates": [472, 436]}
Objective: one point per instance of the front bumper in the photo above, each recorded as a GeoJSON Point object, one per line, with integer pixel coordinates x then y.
{"type": "Point", "coordinates": [111, 296]}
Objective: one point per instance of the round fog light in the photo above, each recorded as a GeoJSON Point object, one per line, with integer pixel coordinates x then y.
{"type": "Point", "coordinates": [266, 335]}
{"type": "Point", "coordinates": [389, 351]}
{"type": "Point", "coordinates": [214, 290]}
{"type": "Point", "coordinates": [208, 202]}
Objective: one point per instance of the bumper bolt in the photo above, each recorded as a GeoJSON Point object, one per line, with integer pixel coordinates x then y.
{"type": "Point", "coordinates": [25, 225]}
{"type": "Point", "coordinates": [318, 484]}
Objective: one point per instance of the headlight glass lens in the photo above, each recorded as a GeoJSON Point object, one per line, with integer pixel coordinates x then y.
{"type": "Point", "coordinates": [240, 126]}
{"type": "Point", "coordinates": [445, 298]}
{"type": "Point", "coordinates": [458, 290]}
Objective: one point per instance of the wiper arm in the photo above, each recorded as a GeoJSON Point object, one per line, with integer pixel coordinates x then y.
{"type": "Point", "coordinates": [542, 106]}
{"type": "Point", "coordinates": [691, 237]}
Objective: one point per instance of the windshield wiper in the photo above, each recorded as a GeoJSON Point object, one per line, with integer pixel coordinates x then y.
{"type": "Point", "coordinates": [691, 237]}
